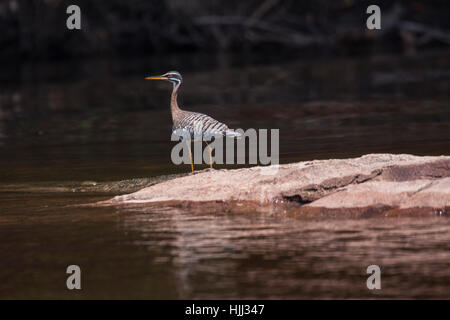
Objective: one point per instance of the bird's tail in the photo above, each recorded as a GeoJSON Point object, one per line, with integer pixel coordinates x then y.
{"type": "Point", "coordinates": [232, 133]}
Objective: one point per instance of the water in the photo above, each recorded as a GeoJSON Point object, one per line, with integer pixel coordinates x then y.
{"type": "Point", "coordinates": [69, 124]}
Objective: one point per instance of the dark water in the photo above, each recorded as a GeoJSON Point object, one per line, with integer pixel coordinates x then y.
{"type": "Point", "coordinates": [76, 123]}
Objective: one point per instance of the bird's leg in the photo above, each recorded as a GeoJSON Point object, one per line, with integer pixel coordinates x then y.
{"type": "Point", "coordinates": [210, 156]}
{"type": "Point", "coordinates": [190, 154]}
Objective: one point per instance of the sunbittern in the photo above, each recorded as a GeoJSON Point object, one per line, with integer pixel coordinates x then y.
{"type": "Point", "coordinates": [192, 124]}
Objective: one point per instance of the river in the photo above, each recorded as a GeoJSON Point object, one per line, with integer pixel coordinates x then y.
{"type": "Point", "coordinates": [69, 124]}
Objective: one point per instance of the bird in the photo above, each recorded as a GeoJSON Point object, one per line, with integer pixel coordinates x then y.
{"type": "Point", "coordinates": [192, 124]}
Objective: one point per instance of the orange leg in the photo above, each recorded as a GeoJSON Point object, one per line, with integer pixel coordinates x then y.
{"type": "Point", "coordinates": [192, 162]}
{"type": "Point", "coordinates": [190, 156]}
{"type": "Point", "coordinates": [210, 157]}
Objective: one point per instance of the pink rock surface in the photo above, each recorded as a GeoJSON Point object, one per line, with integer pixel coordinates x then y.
{"type": "Point", "coordinates": [398, 181]}
{"type": "Point", "coordinates": [406, 194]}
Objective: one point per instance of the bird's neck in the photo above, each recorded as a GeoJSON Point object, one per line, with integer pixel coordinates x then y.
{"type": "Point", "coordinates": [174, 108]}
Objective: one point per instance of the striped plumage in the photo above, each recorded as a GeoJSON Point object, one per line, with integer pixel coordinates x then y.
{"type": "Point", "coordinates": [196, 124]}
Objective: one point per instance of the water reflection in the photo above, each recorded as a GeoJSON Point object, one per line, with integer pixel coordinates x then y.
{"type": "Point", "coordinates": [261, 255]}
{"type": "Point", "coordinates": [148, 251]}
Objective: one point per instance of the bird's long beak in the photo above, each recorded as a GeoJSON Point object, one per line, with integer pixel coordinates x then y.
{"type": "Point", "coordinates": [156, 78]}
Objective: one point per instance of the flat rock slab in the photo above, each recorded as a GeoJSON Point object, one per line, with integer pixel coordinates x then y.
{"type": "Point", "coordinates": [375, 180]}
{"type": "Point", "coordinates": [103, 187]}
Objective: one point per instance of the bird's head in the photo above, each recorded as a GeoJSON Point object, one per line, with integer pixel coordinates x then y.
{"type": "Point", "coordinates": [172, 76]}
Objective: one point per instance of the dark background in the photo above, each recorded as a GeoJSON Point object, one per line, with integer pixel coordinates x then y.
{"type": "Point", "coordinates": [310, 68]}
{"type": "Point", "coordinates": [34, 29]}
{"type": "Point", "coordinates": [77, 99]}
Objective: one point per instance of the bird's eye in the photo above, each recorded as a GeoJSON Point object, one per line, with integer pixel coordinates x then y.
{"type": "Point", "coordinates": [169, 75]}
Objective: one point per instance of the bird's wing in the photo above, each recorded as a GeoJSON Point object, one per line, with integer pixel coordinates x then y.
{"type": "Point", "coordinates": [199, 124]}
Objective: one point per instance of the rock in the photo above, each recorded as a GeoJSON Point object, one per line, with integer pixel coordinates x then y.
{"type": "Point", "coordinates": [379, 182]}
{"type": "Point", "coordinates": [103, 187]}
{"type": "Point", "coordinates": [406, 194]}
